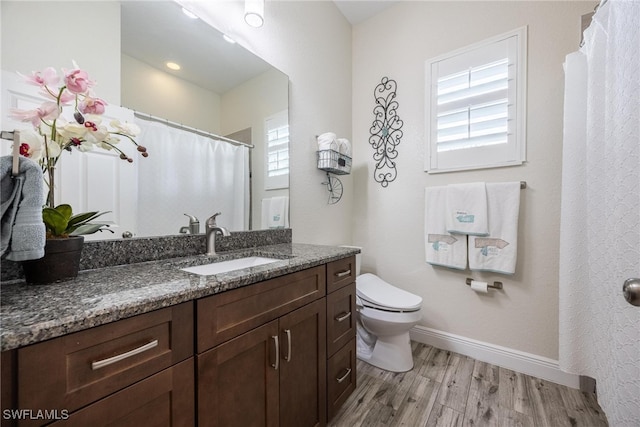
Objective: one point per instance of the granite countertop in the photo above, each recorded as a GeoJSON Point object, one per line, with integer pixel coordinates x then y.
{"type": "Point", "coordinates": [34, 313]}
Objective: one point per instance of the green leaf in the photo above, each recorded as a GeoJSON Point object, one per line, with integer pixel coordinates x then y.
{"type": "Point", "coordinates": [55, 221]}
{"type": "Point", "coordinates": [65, 210]}
{"type": "Point", "coordinates": [83, 217]}
{"type": "Point", "coordinates": [90, 229]}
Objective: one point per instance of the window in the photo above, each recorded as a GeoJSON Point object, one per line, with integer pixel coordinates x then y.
{"type": "Point", "coordinates": [277, 151]}
{"type": "Point", "coordinates": [475, 105]}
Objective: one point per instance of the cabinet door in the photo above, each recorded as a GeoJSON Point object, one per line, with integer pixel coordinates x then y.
{"type": "Point", "coordinates": [303, 400]}
{"type": "Point", "coordinates": [163, 399]}
{"type": "Point", "coordinates": [238, 380]}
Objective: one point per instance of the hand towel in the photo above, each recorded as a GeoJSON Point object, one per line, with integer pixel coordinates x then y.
{"type": "Point", "coordinates": [441, 247]}
{"type": "Point", "coordinates": [275, 212]}
{"type": "Point", "coordinates": [498, 251]}
{"type": "Point", "coordinates": [22, 230]}
{"type": "Point", "coordinates": [466, 209]}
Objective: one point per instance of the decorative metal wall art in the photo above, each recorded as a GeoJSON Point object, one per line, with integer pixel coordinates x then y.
{"type": "Point", "coordinates": [385, 131]}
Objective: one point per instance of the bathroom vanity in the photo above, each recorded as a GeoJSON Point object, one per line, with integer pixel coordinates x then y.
{"type": "Point", "coordinates": [151, 344]}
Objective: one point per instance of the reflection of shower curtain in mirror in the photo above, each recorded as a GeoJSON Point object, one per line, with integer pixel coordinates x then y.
{"type": "Point", "coordinates": [192, 174]}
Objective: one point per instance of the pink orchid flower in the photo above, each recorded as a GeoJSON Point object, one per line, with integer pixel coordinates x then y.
{"type": "Point", "coordinates": [47, 77]}
{"type": "Point", "coordinates": [92, 106]}
{"type": "Point", "coordinates": [65, 98]}
{"type": "Point", "coordinates": [77, 81]}
{"type": "Point", "coordinates": [46, 111]}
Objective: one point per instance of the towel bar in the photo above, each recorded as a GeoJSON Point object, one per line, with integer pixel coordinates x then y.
{"type": "Point", "coordinates": [496, 285]}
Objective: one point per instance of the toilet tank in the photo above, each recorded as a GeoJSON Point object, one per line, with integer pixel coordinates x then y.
{"type": "Point", "coordinates": [358, 257]}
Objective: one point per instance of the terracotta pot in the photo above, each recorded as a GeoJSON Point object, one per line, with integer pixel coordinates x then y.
{"type": "Point", "coordinates": [61, 261]}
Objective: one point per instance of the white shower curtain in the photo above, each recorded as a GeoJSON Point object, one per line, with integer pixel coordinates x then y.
{"type": "Point", "coordinates": [190, 174]}
{"type": "Point", "coordinates": [600, 223]}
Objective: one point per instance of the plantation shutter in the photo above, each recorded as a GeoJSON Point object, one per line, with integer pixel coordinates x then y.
{"type": "Point", "coordinates": [476, 106]}
{"type": "Point", "coordinates": [277, 151]}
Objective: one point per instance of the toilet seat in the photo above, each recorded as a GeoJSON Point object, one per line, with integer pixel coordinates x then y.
{"type": "Point", "coordinates": [378, 294]}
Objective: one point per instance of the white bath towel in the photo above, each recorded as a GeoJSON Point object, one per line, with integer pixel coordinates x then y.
{"type": "Point", "coordinates": [466, 209]}
{"type": "Point", "coordinates": [344, 146]}
{"type": "Point", "coordinates": [498, 251]}
{"type": "Point", "coordinates": [275, 212]}
{"type": "Point", "coordinates": [327, 141]}
{"type": "Point", "coordinates": [22, 229]}
{"type": "Point", "coordinates": [441, 247]}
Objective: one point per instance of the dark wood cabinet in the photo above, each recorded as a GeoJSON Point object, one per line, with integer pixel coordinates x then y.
{"type": "Point", "coordinates": [275, 353]}
{"type": "Point", "coordinates": [163, 399]}
{"type": "Point", "coordinates": [74, 379]}
{"type": "Point", "coordinates": [274, 374]}
{"type": "Point", "coordinates": [341, 333]}
{"type": "Point", "coordinates": [303, 366]}
{"type": "Point", "coordinates": [238, 384]}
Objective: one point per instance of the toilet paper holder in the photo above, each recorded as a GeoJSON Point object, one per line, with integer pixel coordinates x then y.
{"type": "Point", "coordinates": [496, 285]}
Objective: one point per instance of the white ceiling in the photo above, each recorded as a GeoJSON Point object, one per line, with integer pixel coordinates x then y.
{"type": "Point", "coordinates": [357, 11]}
{"type": "Point", "coordinates": [155, 32]}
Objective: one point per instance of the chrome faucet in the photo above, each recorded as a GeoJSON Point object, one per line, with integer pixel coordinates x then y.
{"type": "Point", "coordinates": [211, 229]}
{"type": "Point", "coordinates": [194, 226]}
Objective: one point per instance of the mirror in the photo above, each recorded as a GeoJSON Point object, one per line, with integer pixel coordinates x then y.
{"type": "Point", "coordinates": [228, 91]}
{"type": "Point", "coordinates": [221, 88]}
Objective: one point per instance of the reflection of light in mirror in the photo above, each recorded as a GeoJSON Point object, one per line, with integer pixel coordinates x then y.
{"type": "Point", "coordinates": [189, 13]}
{"type": "Point", "coordinates": [173, 66]}
{"type": "Point", "coordinates": [254, 12]}
{"type": "Point", "coordinates": [229, 39]}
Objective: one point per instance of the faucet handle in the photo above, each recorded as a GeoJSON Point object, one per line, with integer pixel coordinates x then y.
{"type": "Point", "coordinates": [191, 218]}
{"type": "Point", "coordinates": [212, 219]}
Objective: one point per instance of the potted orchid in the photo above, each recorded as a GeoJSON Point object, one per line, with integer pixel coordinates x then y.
{"type": "Point", "coordinates": [53, 134]}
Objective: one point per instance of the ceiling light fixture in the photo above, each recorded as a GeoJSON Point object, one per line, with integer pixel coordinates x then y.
{"type": "Point", "coordinates": [254, 12]}
{"type": "Point", "coordinates": [189, 13]}
{"type": "Point", "coordinates": [173, 66]}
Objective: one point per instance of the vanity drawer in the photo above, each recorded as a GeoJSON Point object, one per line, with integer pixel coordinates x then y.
{"type": "Point", "coordinates": [341, 317]}
{"type": "Point", "coordinates": [76, 369]}
{"type": "Point", "coordinates": [341, 377]}
{"type": "Point", "coordinates": [340, 273]}
{"type": "Point", "coordinates": [163, 399]}
{"type": "Point", "coordinates": [227, 315]}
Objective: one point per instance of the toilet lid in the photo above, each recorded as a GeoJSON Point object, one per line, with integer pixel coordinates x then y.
{"type": "Point", "coordinates": [371, 288]}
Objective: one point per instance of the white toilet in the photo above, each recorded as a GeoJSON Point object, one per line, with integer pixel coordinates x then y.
{"type": "Point", "coordinates": [385, 315]}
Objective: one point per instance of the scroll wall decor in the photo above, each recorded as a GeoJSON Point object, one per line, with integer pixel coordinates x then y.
{"type": "Point", "coordinates": [385, 131]}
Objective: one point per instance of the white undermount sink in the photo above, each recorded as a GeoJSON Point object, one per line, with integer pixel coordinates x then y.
{"type": "Point", "coordinates": [226, 266]}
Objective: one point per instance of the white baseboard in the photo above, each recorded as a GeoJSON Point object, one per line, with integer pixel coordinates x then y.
{"type": "Point", "coordinates": [519, 361]}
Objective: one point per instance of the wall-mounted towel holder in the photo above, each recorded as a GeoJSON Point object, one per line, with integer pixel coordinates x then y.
{"type": "Point", "coordinates": [15, 152]}
{"type": "Point", "coordinates": [331, 161]}
{"type": "Point", "coordinates": [495, 285]}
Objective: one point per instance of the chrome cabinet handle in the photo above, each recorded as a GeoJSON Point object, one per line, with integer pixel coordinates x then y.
{"type": "Point", "coordinates": [343, 273]}
{"type": "Point", "coordinates": [277, 364]}
{"type": "Point", "coordinates": [111, 360]}
{"type": "Point", "coordinates": [288, 356]}
{"type": "Point", "coordinates": [344, 377]}
{"type": "Point", "coordinates": [342, 317]}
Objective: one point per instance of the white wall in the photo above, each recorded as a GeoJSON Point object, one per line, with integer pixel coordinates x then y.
{"type": "Point", "coordinates": [388, 222]}
{"type": "Point", "coordinates": [310, 41]}
{"type": "Point", "coordinates": [36, 35]}
{"type": "Point", "coordinates": [149, 90]}
{"type": "Point", "coordinates": [247, 106]}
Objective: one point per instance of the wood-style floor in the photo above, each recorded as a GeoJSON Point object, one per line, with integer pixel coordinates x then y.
{"type": "Point", "coordinates": [449, 389]}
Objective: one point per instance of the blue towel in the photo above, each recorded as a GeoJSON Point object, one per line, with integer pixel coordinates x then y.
{"type": "Point", "coordinates": [22, 232]}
